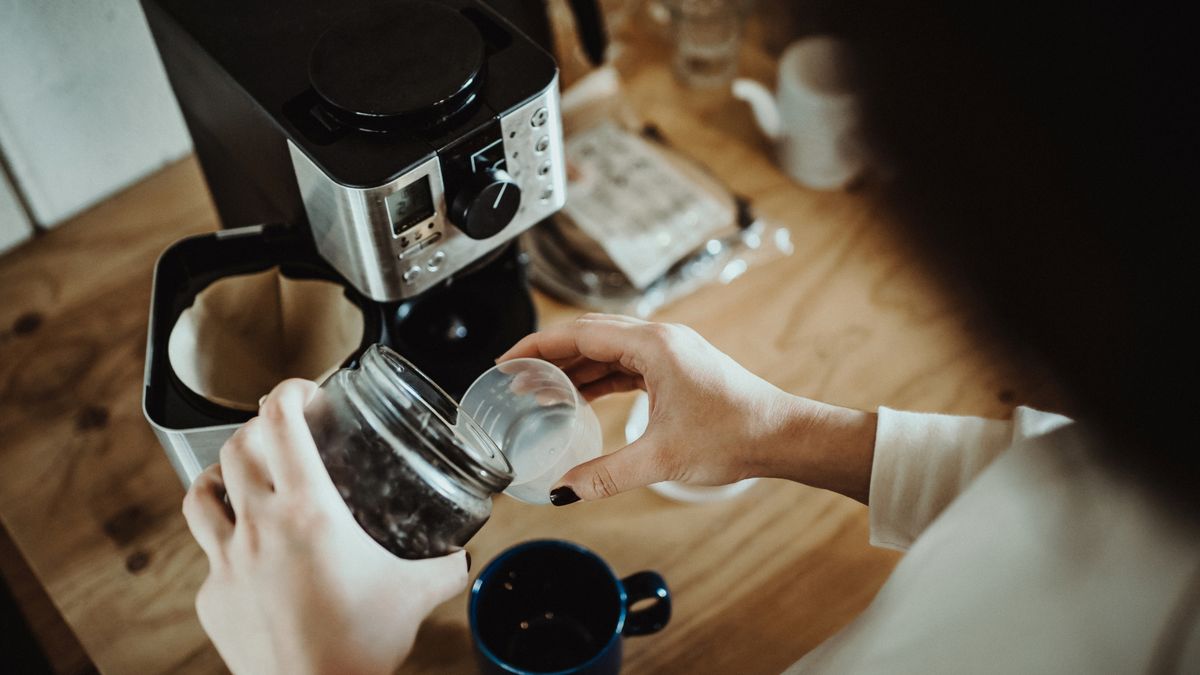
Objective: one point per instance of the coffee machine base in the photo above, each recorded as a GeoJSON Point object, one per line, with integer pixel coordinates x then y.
{"type": "Point", "coordinates": [456, 332]}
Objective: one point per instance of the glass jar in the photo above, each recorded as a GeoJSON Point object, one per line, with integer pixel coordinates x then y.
{"type": "Point", "coordinates": [417, 474]}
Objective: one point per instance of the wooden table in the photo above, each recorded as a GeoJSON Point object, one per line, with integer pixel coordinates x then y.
{"type": "Point", "coordinates": [93, 505]}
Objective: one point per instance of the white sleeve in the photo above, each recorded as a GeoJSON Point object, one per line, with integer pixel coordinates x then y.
{"type": "Point", "coordinates": [923, 461]}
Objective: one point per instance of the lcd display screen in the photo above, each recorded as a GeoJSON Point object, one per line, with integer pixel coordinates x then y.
{"type": "Point", "coordinates": [411, 205]}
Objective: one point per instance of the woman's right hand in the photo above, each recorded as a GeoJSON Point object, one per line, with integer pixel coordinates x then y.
{"type": "Point", "coordinates": [711, 421]}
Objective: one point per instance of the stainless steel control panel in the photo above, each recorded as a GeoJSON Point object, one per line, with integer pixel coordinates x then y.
{"type": "Point", "coordinates": [396, 240]}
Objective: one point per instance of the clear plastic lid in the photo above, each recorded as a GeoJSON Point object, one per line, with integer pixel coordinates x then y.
{"type": "Point", "coordinates": [540, 421]}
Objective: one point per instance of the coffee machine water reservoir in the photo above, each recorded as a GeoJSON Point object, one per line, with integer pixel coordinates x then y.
{"type": "Point", "coordinates": [372, 162]}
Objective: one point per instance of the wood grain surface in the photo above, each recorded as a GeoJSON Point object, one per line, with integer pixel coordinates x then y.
{"type": "Point", "coordinates": [91, 501]}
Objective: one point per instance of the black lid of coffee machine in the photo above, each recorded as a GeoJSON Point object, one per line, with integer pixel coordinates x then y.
{"type": "Point", "coordinates": [332, 75]}
{"type": "Point", "coordinates": [408, 64]}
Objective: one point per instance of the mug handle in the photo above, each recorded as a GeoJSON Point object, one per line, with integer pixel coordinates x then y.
{"type": "Point", "coordinates": [643, 586]}
{"type": "Point", "coordinates": [762, 104]}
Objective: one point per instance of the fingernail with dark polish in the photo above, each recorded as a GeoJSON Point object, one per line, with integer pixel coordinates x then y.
{"type": "Point", "coordinates": [561, 496]}
{"type": "Point", "coordinates": [468, 560]}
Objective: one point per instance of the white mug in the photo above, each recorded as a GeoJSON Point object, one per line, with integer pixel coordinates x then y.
{"type": "Point", "coordinates": [815, 119]}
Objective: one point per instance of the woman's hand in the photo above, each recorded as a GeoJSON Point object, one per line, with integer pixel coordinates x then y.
{"type": "Point", "coordinates": [711, 421]}
{"type": "Point", "coordinates": [294, 584]}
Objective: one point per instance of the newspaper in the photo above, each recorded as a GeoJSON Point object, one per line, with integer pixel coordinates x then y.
{"type": "Point", "coordinates": [643, 210]}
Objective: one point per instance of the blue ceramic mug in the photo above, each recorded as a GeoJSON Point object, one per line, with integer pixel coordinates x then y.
{"type": "Point", "coordinates": [551, 606]}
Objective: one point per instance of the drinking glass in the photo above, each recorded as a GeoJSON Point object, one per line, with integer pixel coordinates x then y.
{"type": "Point", "coordinates": [708, 36]}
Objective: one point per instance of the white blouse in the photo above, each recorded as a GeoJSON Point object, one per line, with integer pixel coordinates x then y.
{"type": "Point", "coordinates": [1025, 554]}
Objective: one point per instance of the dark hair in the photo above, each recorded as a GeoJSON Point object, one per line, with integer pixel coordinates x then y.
{"type": "Point", "coordinates": [1046, 159]}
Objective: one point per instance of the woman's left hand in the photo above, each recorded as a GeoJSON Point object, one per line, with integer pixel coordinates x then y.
{"type": "Point", "coordinates": [294, 584]}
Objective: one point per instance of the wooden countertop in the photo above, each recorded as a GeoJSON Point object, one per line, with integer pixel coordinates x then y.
{"type": "Point", "coordinates": [89, 498]}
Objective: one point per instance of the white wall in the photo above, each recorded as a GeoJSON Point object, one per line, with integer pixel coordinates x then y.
{"type": "Point", "coordinates": [85, 108]}
{"type": "Point", "coordinates": [14, 225]}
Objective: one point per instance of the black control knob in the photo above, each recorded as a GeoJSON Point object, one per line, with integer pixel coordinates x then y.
{"type": "Point", "coordinates": [486, 204]}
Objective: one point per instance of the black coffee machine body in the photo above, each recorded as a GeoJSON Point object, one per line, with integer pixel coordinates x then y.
{"type": "Point", "coordinates": [394, 147]}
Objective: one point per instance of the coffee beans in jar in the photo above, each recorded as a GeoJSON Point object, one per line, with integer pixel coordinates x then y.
{"type": "Point", "coordinates": [416, 472]}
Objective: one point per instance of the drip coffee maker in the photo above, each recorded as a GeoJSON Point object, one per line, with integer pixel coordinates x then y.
{"type": "Point", "coordinates": [389, 150]}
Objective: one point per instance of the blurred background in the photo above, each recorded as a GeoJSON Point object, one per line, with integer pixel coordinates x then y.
{"type": "Point", "coordinates": [85, 109]}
